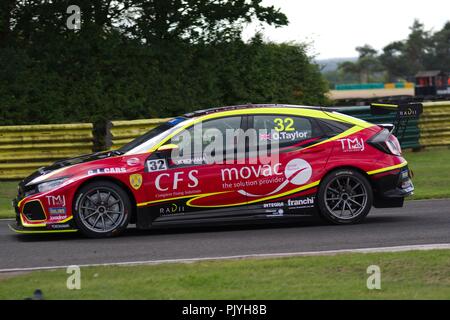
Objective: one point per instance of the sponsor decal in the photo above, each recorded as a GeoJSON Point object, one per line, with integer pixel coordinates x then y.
{"type": "Point", "coordinates": [56, 201]}
{"type": "Point", "coordinates": [297, 172]}
{"type": "Point", "coordinates": [136, 181]}
{"type": "Point", "coordinates": [58, 217]}
{"type": "Point", "coordinates": [408, 112]}
{"type": "Point", "coordinates": [276, 213]}
{"type": "Point", "coordinates": [59, 226]}
{"type": "Point", "coordinates": [57, 211]}
{"type": "Point", "coordinates": [351, 145]}
{"type": "Point", "coordinates": [290, 136]}
{"type": "Point", "coordinates": [133, 162]}
{"type": "Point", "coordinates": [273, 205]}
{"type": "Point", "coordinates": [172, 209]}
{"type": "Point", "coordinates": [195, 160]}
{"type": "Point", "coordinates": [301, 203]}
{"type": "Point", "coordinates": [156, 165]}
{"type": "Point", "coordinates": [106, 170]}
{"type": "Point", "coordinates": [176, 178]}
{"type": "Point", "coordinates": [254, 172]}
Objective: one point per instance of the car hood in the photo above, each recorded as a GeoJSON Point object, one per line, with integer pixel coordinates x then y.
{"type": "Point", "coordinates": [67, 163]}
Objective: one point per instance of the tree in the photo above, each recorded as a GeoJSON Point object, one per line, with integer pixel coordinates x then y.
{"type": "Point", "coordinates": [417, 47]}
{"type": "Point", "coordinates": [6, 9]}
{"type": "Point", "coordinates": [440, 57]}
{"type": "Point", "coordinates": [393, 60]}
{"type": "Point", "coordinates": [145, 58]}
{"type": "Point", "coordinates": [403, 59]}
{"type": "Point", "coordinates": [366, 65]}
{"type": "Point", "coordinates": [198, 20]}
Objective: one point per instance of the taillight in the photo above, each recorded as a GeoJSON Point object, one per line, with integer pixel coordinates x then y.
{"type": "Point", "coordinates": [394, 145]}
{"type": "Point", "coordinates": [386, 142]}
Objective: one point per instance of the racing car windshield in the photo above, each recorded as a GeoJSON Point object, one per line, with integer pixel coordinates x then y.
{"type": "Point", "coordinates": [153, 137]}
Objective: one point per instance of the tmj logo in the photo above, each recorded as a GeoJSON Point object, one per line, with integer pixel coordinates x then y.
{"type": "Point", "coordinates": [59, 201]}
{"type": "Point", "coordinates": [348, 144]}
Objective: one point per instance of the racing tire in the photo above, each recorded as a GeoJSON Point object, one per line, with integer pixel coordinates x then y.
{"type": "Point", "coordinates": [345, 197]}
{"type": "Point", "coordinates": [101, 209]}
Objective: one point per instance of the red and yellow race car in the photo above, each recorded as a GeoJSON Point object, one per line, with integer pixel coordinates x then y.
{"type": "Point", "coordinates": [298, 161]}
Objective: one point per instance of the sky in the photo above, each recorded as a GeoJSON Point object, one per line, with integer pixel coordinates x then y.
{"type": "Point", "coordinates": [336, 27]}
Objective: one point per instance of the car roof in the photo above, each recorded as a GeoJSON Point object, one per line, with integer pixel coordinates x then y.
{"type": "Point", "coordinates": [251, 106]}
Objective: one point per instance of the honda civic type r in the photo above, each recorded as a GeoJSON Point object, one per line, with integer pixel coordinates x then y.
{"type": "Point", "coordinates": [326, 163]}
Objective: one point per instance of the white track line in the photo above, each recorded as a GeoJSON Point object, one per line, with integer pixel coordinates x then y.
{"type": "Point", "coordinates": [421, 247]}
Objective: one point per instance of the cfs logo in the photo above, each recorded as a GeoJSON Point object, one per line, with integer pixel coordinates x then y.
{"type": "Point", "coordinates": [56, 201]}
{"type": "Point", "coordinates": [176, 178]}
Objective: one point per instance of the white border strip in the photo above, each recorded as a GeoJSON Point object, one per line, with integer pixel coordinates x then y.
{"type": "Point", "coordinates": [420, 247]}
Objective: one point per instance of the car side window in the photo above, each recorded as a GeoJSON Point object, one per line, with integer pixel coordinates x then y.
{"type": "Point", "coordinates": [207, 133]}
{"type": "Point", "coordinates": [333, 128]}
{"type": "Point", "coordinates": [287, 129]}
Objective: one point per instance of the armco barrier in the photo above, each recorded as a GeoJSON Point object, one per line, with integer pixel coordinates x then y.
{"type": "Point", "coordinates": [122, 132]}
{"type": "Point", "coordinates": [26, 148]}
{"type": "Point", "coordinates": [434, 124]}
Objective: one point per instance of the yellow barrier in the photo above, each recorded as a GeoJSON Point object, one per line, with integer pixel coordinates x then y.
{"type": "Point", "coordinates": [434, 124]}
{"type": "Point", "coordinates": [23, 149]}
{"type": "Point", "coordinates": [122, 132]}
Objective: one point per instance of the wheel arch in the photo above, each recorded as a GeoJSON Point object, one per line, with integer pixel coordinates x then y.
{"type": "Point", "coordinates": [359, 170]}
{"type": "Point", "coordinates": [118, 183]}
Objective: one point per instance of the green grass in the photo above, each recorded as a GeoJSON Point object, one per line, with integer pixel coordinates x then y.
{"type": "Point", "coordinates": [8, 190]}
{"type": "Point", "coordinates": [404, 275]}
{"type": "Point", "coordinates": [431, 170]}
{"type": "Point", "coordinates": [431, 178]}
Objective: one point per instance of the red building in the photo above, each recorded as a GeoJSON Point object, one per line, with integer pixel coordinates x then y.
{"type": "Point", "coordinates": [431, 83]}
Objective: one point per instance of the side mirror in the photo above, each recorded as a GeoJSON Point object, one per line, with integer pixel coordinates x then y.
{"type": "Point", "coordinates": [168, 147]}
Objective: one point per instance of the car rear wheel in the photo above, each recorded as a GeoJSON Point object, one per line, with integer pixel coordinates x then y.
{"type": "Point", "coordinates": [345, 197]}
{"type": "Point", "coordinates": [102, 209]}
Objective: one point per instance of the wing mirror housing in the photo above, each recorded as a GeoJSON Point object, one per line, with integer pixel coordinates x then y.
{"type": "Point", "coordinates": [168, 147]}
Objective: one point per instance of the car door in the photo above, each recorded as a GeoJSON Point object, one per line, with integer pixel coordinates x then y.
{"type": "Point", "coordinates": [295, 165]}
{"type": "Point", "coordinates": [184, 177]}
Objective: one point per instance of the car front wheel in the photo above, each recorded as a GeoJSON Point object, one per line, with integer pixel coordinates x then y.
{"type": "Point", "coordinates": [102, 209]}
{"type": "Point", "coordinates": [345, 197]}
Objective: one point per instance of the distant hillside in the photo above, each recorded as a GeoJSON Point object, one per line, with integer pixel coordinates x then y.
{"type": "Point", "coordinates": [332, 64]}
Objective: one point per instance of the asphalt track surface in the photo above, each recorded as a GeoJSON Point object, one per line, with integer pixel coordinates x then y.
{"type": "Point", "coordinates": [418, 223]}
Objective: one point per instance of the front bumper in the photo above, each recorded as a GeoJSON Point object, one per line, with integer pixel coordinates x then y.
{"type": "Point", "coordinates": [390, 188]}
{"type": "Point", "coordinates": [45, 227]}
{"type": "Point", "coordinates": [20, 229]}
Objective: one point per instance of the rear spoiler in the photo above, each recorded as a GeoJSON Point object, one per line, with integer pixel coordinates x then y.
{"type": "Point", "coordinates": [403, 113]}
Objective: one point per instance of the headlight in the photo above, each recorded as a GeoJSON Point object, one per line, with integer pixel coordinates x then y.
{"type": "Point", "coordinates": [50, 185]}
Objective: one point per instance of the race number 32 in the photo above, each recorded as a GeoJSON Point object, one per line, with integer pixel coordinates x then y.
{"type": "Point", "coordinates": [156, 165]}
{"type": "Point", "coordinates": [284, 124]}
